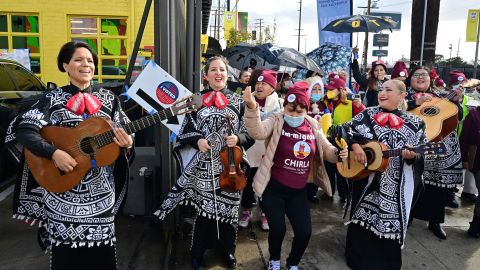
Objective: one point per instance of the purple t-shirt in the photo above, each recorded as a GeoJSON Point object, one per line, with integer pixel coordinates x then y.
{"type": "Point", "coordinates": [295, 150]}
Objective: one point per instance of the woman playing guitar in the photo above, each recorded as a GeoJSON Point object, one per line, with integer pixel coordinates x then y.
{"type": "Point", "coordinates": [76, 225]}
{"type": "Point", "coordinates": [206, 130]}
{"type": "Point", "coordinates": [379, 218]}
{"type": "Point", "coordinates": [442, 172]}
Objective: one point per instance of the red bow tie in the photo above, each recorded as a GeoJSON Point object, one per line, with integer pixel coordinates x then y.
{"type": "Point", "coordinates": [393, 120]}
{"type": "Point", "coordinates": [81, 102]}
{"type": "Point", "coordinates": [417, 95]}
{"type": "Point", "coordinates": [216, 98]}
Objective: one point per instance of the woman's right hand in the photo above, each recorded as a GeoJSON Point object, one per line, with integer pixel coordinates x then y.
{"type": "Point", "coordinates": [64, 161]}
{"type": "Point", "coordinates": [419, 101]}
{"type": "Point", "coordinates": [358, 154]}
{"type": "Point", "coordinates": [248, 98]}
{"type": "Point", "coordinates": [203, 145]}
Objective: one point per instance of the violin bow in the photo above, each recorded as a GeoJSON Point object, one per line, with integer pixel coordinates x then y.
{"type": "Point", "coordinates": [214, 193]}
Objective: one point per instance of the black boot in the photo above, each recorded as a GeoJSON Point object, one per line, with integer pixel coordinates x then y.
{"type": "Point", "coordinates": [230, 260]}
{"type": "Point", "coordinates": [474, 230]}
{"type": "Point", "coordinates": [437, 230]}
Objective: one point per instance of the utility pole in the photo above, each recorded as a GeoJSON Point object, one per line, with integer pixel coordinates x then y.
{"type": "Point", "coordinates": [260, 21]}
{"type": "Point", "coordinates": [365, 44]}
{"type": "Point", "coordinates": [218, 20]}
{"type": "Point", "coordinates": [215, 27]}
{"type": "Point", "coordinates": [299, 24]}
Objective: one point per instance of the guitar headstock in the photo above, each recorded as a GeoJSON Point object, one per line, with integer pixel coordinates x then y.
{"type": "Point", "coordinates": [433, 148]}
{"type": "Point", "coordinates": [187, 104]}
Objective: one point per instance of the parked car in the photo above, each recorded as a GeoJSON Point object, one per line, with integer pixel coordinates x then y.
{"type": "Point", "coordinates": [17, 84]}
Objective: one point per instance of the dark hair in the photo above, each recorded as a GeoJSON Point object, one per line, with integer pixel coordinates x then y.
{"type": "Point", "coordinates": [410, 74]}
{"type": "Point", "coordinates": [68, 49]}
{"type": "Point", "coordinates": [372, 80]}
{"type": "Point", "coordinates": [296, 103]}
{"type": "Point", "coordinates": [254, 76]}
{"type": "Point", "coordinates": [243, 72]}
{"type": "Point", "coordinates": [213, 58]}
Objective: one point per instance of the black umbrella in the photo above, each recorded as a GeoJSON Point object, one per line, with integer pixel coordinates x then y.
{"type": "Point", "coordinates": [268, 56]}
{"type": "Point", "coordinates": [360, 23]}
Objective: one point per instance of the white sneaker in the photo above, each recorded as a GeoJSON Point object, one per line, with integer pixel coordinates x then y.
{"type": "Point", "coordinates": [264, 222]}
{"type": "Point", "coordinates": [243, 223]}
{"type": "Point", "coordinates": [293, 267]}
{"type": "Point", "coordinates": [274, 265]}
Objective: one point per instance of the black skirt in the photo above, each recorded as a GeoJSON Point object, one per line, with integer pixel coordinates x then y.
{"type": "Point", "coordinates": [366, 251]}
{"type": "Point", "coordinates": [102, 257]}
{"type": "Point", "coordinates": [431, 204]}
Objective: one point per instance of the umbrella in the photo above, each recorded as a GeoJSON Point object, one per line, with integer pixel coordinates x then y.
{"type": "Point", "coordinates": [360, 23]}
{"type": "Point", "coordinates": [268, 56]}
{"type": "Point", "coordinates": [331, 57]}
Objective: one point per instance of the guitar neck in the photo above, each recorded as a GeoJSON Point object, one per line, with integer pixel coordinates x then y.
{"type": "Point", "coordinates": [432, 148]}
{"type": "Point", "coordinates": [134, 126]}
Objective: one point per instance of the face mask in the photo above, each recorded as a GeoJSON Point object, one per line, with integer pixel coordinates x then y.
{"type": "Point", "coordinates": [288, 84]}
{"type": "Point", "coordinates": [331, 94]}
{"type": "Point", "coordinates": [293, 121]}
{"type": "Point", "coordinates": [315, 97]}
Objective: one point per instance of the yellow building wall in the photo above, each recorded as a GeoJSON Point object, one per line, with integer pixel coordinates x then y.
{"type": "Point", "coordinates": [53, 25]}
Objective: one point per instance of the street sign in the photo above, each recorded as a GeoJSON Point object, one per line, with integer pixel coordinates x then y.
{"type": "Point", "coordinates": [380, 53]}
{"type": "Point", "coordinates": [380, 40]}
{"type": "Point", "coordinates": [394, 16]}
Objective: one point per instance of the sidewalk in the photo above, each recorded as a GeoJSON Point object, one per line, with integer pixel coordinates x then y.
{"type": "Point", "coordinates": [140, 244]}
{"type": "Point", "coordinates": [327, 244]}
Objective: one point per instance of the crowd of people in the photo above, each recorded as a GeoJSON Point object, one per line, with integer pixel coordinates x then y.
{"type": "Point", "coordinates": [293, 135]}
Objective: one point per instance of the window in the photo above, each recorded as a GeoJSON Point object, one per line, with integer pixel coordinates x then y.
{"type": "Point", "coordinates": [22, 31]}
{"type": "Point", "coordinates": [107, 36]}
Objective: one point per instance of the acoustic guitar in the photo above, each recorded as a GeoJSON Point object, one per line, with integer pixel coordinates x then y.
{"type": "Point", "coordinates": [440, 117]}
{"type": "Point", "coordinates": [91, 145]}
{"type": "Point", "coordinates": [377, 158]}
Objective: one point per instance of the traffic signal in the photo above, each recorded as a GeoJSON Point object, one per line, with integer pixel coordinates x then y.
{"type": "Point", "coordinates": [254, 34]}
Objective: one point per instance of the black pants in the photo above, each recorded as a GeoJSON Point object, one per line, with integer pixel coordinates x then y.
{"type": "Point", "coordinates": [248, 196]}
{"type": "Point", "coordinates": [93, 258]}
{"type": "Point", "coordinates": [431, 204]}
{"type": "Point", "coordinates": [366, 251]}
{"type": "Point", "coordinates": [205, 236]}
{"type": "Point", "coordinates": [337, 182]}
{"type": "Point", "coordinates": [278, 200]}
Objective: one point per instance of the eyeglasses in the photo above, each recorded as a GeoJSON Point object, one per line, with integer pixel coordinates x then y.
{"type": "Point", "coordinates": [418, 75]}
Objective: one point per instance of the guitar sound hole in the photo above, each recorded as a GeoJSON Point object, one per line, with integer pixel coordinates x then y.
{"type": "Point", "coordinates": [87, 146]}
{"type": "Point", "coordinates": [430, 111]}
{"type": "Point", "coordinates": [370, 155]}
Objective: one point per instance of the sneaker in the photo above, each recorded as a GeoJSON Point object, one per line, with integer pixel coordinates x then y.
{"type": "Point", "coordinates": [243, 223]}
{"type": "Point", "coordinates": [264, 221]}
{"type": "Point", "coordinates": [293, 267]}
{"type": "Point", "coordinates": [274, 265]}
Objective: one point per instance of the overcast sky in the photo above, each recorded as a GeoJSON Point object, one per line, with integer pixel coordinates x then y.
{"type": "Point", "coordinates": [452, 24]}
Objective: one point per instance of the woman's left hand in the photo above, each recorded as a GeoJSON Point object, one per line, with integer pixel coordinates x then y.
{"type": "Point", "coordinates": [343, 154]}
{"type": "Point", "coordinates": [408, 154]}
{"type": "Point", "coordinates": [121, 138]}
{"type": "Point", "coordinates": [232, 140]}
{"type": "Point", "coordinates": [458, 93]}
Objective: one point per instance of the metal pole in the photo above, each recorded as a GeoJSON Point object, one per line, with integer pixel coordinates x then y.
{"type": "Point", "coordinates": [365, 44]}
{"type": "Point", "coordinates": [189, 41]}
{"type": "Point", "coordinates": [476, 52]}
{"type": "Point", "coordinates": [197, 53]}
{"type": "Point", "coordinates": [218, 21]}
{"type": "Point", "coordinates": [299, 24]}
{"type": "Point", "coordinates": [138, 40]}
{"type": "Point", "coordinates": [423, 31]}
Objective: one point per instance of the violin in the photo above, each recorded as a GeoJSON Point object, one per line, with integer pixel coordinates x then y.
{"type": "Point", "coordinates": [233, 177]}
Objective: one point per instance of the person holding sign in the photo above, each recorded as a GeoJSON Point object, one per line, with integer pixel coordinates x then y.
{"type": "Point", "coordinates": [206, 131]}
{"type": "Point", "coordinates": [77, 225]}
{"type": "Point", "coordinates": [296, 148]}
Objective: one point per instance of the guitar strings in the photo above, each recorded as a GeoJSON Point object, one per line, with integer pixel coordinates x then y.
{"type": "Point", "coordinates": [431, 110]}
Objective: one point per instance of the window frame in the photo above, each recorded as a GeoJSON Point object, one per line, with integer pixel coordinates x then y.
{"type": "Point", "coordinates": [99, 37]}
{"type": "Point", "coordinates": [10, 35]}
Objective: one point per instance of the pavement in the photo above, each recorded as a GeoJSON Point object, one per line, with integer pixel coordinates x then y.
{"type": "Point", "coordinates": [142, 245]}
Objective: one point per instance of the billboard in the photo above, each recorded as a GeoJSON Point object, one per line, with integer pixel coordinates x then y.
{"type": "Point", "coordinates": [329, 10]}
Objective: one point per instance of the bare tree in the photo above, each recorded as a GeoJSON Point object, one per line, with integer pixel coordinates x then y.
{"type": "Point", "coordinates": [431, 26]}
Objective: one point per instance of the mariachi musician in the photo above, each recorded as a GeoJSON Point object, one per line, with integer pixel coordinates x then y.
{"type": "Point", "coordinates": [378, 225]}
{"type": "Point", "coordinates": [76, 225]}
{"type": "Point", "coordinates": [442, 172]}
{"type": "Point", "coordinates": [206, 131]}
